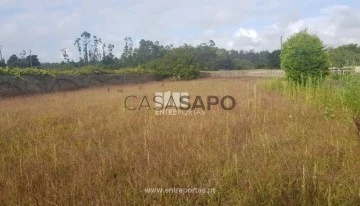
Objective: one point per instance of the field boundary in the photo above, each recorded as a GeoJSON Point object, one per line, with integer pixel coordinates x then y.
{"type": "Point", "coordinates": [15, 86]}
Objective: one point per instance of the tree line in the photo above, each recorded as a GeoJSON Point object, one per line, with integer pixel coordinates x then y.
{"type": "Point", "coordinates": [93, 50]}
{"type": "Point", "coordinates": [345, 55]}
{"type": "Point", "coordinates": [24, 61]}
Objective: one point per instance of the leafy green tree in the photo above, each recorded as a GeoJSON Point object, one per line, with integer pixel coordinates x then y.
{"type": "Point", "coordinates": [94, 51]}
{"type": "Point", "coordinates": [23, 54]}
{"type": "Point", "coordinates": [345, 55]}
{"type": "Point", "coordinates": [77, 44]}
{"type": "Point", "coordinates": [303, 56]}
{"type": "Point", "coordinates": [2, 63]}
{"type": "Point", "coordinates": [103, 46]}
{"type": "Point", "coordinates": [86, 40]}
{"type": "Point", "coordinates": [82, 43]}
{"type": "Point", "coordinates": [224, 60]}
{"type": "Point", "coordinates": [108, 57]}
{"type": "Point", "coordinates": [110, 48]}
{"type": "Point", "coordinates": [34, 61]}
{"type": "Point", "coordinates": [274, 59]}
{"type": "Point", "coordinates": [206, 57]}
{"type": "Point", "coordinates": [12, 61]}
{"type": "Point", "coordinates": [65, 55]}
{"type": "Point", "coordinates": [243, 64]}
{"type": "Point", "coordinates": [147, 52]}
{"type": "Point", "coordinates": [108, 60]}
{"type": "Point", "coordinates": [179, 63]}
{"type": "Point", "coordinates": [126, 52]}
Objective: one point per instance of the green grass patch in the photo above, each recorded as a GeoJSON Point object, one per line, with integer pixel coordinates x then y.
{"type": "Point", "coordinates": [334, 95]}
{"type": "Point", "coordinates": [87, 70]}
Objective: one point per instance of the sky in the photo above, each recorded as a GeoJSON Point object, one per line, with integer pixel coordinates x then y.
{"type": "Point", "coordinates": [48, 26]}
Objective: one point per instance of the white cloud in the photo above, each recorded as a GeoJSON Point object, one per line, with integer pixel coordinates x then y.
{"type": "Point", "coordinates": [242, 24]}
{"type": "Point", "coordinates": [249, 33]}
{"type": "Point", "coordinates": [335, 25]}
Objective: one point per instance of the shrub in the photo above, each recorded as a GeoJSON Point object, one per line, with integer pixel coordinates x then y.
{"type": "Point", "coordinates": [303, 56]}
{"type": "Point", "coordinates": [87, 70]}
{"type": "Point", "coordinates": [351, 98]}
{"type": "Point", "coordinates": [179, 63]}
{"type": "Point", "coordinates": [351, 93]}
{"type": "Point", "coordinates": [25, 72]}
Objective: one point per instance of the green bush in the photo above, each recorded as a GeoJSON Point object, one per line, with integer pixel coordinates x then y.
{"type": "Point", "coordinates": [351, 94]}
{"type": "Point", "coordinates": [303, 57]}
{"type": "Point", "coordinates": [26, 72]}
{"type": "Point", "coordinates": [179, 63]}
{"type": "Point", "coordinates": [87, 70]}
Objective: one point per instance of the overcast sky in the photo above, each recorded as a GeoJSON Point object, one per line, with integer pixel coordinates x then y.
{"type": "Point", "coordinates": [47, 26]}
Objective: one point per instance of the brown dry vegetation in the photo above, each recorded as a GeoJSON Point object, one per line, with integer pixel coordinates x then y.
{"type": "Point", "coordinates": [84, 148]}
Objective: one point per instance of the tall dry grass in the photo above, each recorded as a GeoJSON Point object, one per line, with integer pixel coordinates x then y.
{"type": "Point", "coordinates": [85, 148]}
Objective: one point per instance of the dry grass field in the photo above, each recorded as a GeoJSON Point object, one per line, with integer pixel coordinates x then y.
{"type": "Point", "coordinates": [84, 148]}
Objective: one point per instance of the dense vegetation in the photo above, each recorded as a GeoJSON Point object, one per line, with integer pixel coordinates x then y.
{"type": "Point", "coordinates": [178, 62]}
{"type": "Point", "coordinates": [80, 71]}
{"type": "Point", "coordinates": [95, 53]}
{"type": "Point", "coordinates": [336, 95]}
{"type": "Point", "coordinates": [303, 56]}
{"type": "Point", "coordinates": [345, 55]}
{"type": "Point", "coordinates": [206, 55]}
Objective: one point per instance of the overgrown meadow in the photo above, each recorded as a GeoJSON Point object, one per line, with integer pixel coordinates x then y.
{"type": "Point", "coordinates": [283, 144]}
